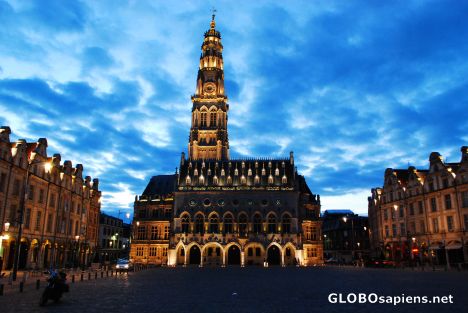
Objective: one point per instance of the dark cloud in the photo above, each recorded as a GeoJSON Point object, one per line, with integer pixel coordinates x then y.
{"type": "Point", "coordinates": [355, 87]}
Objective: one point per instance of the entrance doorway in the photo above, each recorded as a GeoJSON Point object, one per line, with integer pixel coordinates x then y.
{"type": "Point", "coordinates": [195, 255]}
{"type": "Point", "coordinates": [234, 256]}
{"type": "Point", "coordinates": [273, 256]}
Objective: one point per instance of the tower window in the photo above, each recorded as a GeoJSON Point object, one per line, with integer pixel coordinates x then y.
{"type": "Point", "coordinates": [212, 119]}
{"type": "Point", "coordinates": [203, 118]}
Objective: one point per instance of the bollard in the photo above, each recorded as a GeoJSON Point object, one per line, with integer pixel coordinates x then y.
{"type": "Point", "coordinates": [81, 277]}
{"type": "Point", "coordinates": [1, 289]}
{"type": "Point", "coordinates": [73, 278]}
{"type": "Point", "coordinates": [38, 284]}
{"type": "Point", "coordinates": [21, 285]}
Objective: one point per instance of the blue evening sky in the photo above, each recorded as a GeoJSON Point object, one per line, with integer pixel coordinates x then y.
{"type": "Point", "coordinates": [352, 87]}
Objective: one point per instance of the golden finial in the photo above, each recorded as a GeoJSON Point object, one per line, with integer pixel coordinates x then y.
{"type": "Point", "coordinates": [212, 24]}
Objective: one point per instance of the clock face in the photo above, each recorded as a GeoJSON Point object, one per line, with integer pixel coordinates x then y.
{"type": "Point", "coordinates": [209, 88]}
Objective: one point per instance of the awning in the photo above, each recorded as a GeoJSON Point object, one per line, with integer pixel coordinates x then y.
{"type": "Point", "coordinates": [453, 245]}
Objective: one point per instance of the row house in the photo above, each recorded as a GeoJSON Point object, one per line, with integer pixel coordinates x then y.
{"type": "Point", "coordinates": [421, 215]}
{"type": "Point", "coordinates": [57, 208]}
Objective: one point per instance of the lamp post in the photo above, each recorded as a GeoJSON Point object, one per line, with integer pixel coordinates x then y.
{"type": "Point", "coordinates": [77, 248]}
{"type": "Point", "coordinates": [345, 219]}
{"type": "Point", "coordinates": [20, 218]}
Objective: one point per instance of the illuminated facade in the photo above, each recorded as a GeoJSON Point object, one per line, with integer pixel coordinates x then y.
{"type": "Point", "coordinates": [60, 220]}
{"type": "Point", "coordinates": [422, 215]}
{"type": "Point", "coordinates": [221, 211]}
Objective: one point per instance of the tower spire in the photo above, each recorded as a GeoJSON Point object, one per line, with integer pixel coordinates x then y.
{"type": "Point", "coordinates": [213, 23]}
{"type": "Point", "coordinates": [208, 134]}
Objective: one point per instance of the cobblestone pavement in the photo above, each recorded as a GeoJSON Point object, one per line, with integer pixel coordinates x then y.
{"type": "Point", "coordinates": [249, 289]}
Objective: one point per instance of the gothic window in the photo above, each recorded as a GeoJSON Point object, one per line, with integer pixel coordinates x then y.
{"type": "Point", "coordinates": [213, 227]}
{"type": "Point", "coordinates": [256, 180]}
{"type": "Point", "coordinates": [199, 221]}
{"type": "Point", "coordinates": [243, 224]}
{"type": "Point", "coordinates": [277, 172]}
{"type": "Point", "coordinates": [243, 180]}
{"type": "Point", "coordinates": [213, 119]}
{"type": "Point", "coordinates": [215, 180]}
{"type": "Point", "coordinates": [271, 224]}
{"type": "Point", "coordinates": [270, 180]}
{"type": "Point", "coordinates": [228, 224]}
{"type": "Point", "coordinates": [263, 172]}
{"type": "Point", "coordinates": [201, 180]}
{"type": "Point", "coordinates": [229, 180]}
{"type": "Point", "coordinates": [236, 172]}
{"type": "Point", "coordinates": [286, 224]}
{"type": "Point", "coordinates": [257, 224]}
{"type": "Point", "coordinates": [249, 172]}
{"type": "Point", "coordinates": [284, 180]}
{"type": "Point", "coordinates": [223, 173]}
{"type": "Point", "coordinates": [188, 181]}
{"type": "Point", "coordinates": [203, 118]}
{"type": "Point", "coordinates": [185, 224]}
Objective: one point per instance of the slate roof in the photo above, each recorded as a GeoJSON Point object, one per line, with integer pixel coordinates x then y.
{"type": "Point", "coordinates": [161, 185]}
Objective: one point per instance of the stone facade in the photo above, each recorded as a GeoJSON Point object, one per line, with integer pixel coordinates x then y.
{"type": "Point", "coordinates": [114, 241]}
{"type": "Point", "coordinates": [422, 215]}
{"type": "Point", "coordinates": [61, 208]}
{"type": "Point", "coordinates": [218, 211]}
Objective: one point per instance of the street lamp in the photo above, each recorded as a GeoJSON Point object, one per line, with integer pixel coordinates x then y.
{"type": "Point", "coordinates": [16, 258]}
{"type": "Point", "coordinates": [77, 248]}
{"type": "Point", "coordinates": [345, 219]}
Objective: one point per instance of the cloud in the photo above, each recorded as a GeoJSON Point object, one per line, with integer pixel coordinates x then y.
{"type": "Point", "coordinates": [350, 87]}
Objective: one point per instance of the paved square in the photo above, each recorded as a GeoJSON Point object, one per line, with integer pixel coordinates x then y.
{"type": "Point", "coordinates": [250, 289]}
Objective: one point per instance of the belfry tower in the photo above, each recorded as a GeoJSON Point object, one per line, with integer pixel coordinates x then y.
{"type": "Point", "coordinates": [208, 134]}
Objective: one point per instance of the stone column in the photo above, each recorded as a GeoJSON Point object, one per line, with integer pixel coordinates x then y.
{"type": "Point", "coordinates": [242, 259]}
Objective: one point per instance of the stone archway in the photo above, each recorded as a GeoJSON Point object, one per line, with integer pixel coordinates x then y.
{"type": "Point", "coordinates": [195, 255]}
{"type": "Point", "coordinates": [234, 255]}
{"type": "Point", "coordinates": [273, 255]}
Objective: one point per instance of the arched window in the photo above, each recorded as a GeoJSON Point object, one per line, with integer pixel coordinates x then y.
{"type": "Point", "coordinates": [271, 224]}
{"type": "Point", "coordinates": [270, 180]}
{"type": "Point", "coordinates": [286, 224]}
{"type": "Point", "coordinates": [243, 224]}
{"type": "Point", "coordinates": [284, 180]}
{"type": "Point", "coordinates": [201, 180]}
{"type": "Point", "coordinates": [256, 180]}
{"type": "Point", "coordinates": [228, 224]}
{"type": "Point", "coordinates": [257, 223]}
{"type": "Point", "coordinates": [199, 221]}
{"type": "Point", "coordinates": [185, 224]}
{"type": "Point", "coordinates": [243, 180]}
{"type": "Point", "coordinates": [213, 119]}
{"type": "Point", "coordinates": [214, 226]}
{"type": "Point", "coordinates": [215, 180]}
{"type": "Point", "coordinates": [203, 118]}
{"type": "Point", "coordinates": [277, 172]}
{"type": "Point", "coordinates": [188, 181]}
{"type": "Point", "coordinates": [229, 180]}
